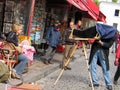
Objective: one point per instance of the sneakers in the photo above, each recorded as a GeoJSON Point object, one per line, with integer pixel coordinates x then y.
{"type": "Point", "coordinates": [15, 75]}
{"type": "Point", "coordinates": [115, 82]}
{"type": "Point", "coordinates": [15, 82]}
{"type": "Point", "coordinates": [48, 62]}
{"type": "Point", "coordinates": [94, 85]}
{"type": "Point", "coordinates": [109, 87]}
{"type": "Point", "coordinates": [25, 71]}
{"type": "Point", "coordinates": [66, 68]}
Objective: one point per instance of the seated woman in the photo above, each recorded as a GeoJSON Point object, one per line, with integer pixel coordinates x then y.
{"type": "Point", "coordinates": [22, 59]}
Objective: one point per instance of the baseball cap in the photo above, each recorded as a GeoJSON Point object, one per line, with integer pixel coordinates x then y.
{"type": "Point", "coordinates": [57, 22]}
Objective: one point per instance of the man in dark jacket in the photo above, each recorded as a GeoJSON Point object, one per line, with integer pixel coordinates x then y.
{"type": "Point", "coordinates": [69, 44]}
{"type": "Point", "coordinates": [52, 39]}
{"type": "Point", "coordinates": [99, 55]}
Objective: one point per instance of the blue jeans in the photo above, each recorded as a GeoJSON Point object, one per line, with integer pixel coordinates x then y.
{"type": "Point", "coordinates": [22, 61]}
{"type": "Point", "coordinates": [98, 56]}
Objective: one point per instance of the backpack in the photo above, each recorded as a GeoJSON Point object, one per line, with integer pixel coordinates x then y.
{"type": "Point", "coordinates": [4, 72]}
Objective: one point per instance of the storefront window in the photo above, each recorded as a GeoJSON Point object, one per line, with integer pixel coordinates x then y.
{"type": "Point", "coordinates": [38, 23]}
{"type": "Point", "coordinates": [15, 11]}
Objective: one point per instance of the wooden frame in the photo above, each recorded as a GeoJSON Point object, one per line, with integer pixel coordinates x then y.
{"type": "Point", "coordinates": [7, 27]}
{"type": "Point", "coordinates": [9, 6]}
{"type": "Point", "coordinates": [8, 17]}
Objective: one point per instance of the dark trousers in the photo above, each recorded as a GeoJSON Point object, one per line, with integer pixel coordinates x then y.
{"type": "Point", "coordinates": [117, 74]}
{"type": "Point", "coordinates": [50, 52]}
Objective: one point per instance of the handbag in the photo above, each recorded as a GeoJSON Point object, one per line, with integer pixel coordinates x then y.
{"type": "Point", "coordinates": [4, 72]}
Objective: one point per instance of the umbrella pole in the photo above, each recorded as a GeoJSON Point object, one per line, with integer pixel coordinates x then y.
{"type": "Point", "coordinates": [85, 53]}
{"type": "Point", "coordinates": [71, 54]}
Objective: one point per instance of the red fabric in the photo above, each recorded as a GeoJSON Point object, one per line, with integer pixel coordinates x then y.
{"type": "Point", "coordinates": [118, 51]}
{"type": "Point", "coordinates": [117, 63]}
{"type": "Point", "coordinates": [0, 56]}
{"type": "Point", "coordinates": [1, 44]}
{"type": "Point", "coordinates": [78, 4]}
{"type": "Point", "coordinates": [90, 8]}
{"type": "Point", "coordinates": [60, 48]}
{"type": "Point", "coordinates": [91, 41]}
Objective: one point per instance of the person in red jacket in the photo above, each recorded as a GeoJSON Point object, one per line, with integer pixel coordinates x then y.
{"type": "Point", "coordinates": [117, 63]}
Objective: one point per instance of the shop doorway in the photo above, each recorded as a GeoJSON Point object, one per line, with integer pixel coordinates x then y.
{"type": "Point", "coordinates": [78, 16]}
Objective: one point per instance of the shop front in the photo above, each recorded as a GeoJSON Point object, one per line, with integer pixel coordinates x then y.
{"type": "Point", "coordinates": [35, 15]}
{"type": "Point", "coordinates": [15, 11]}
{"type": "Point", "coordinates": [38, 15]}
{"type": "Point", "coordinates": [45, 13]}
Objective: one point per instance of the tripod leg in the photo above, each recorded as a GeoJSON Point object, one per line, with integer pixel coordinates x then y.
{"type": "Point", "coordinates": [71, 54]}
{"type": "Point", "coordinates": [84, 48]}
{"type": "Point", "coordinates": [85, 53]}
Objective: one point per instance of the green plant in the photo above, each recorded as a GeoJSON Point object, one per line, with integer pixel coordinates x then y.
{"type": "Point", "coordinates": [97, 2]}
{"type": "Point", "coordinates": [114, 0]}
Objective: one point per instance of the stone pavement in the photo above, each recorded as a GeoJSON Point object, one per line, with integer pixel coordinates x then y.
{"type": "Point", "coordinates": [39, 70]}
{"type": "Point", "coordinates": [78, 77]}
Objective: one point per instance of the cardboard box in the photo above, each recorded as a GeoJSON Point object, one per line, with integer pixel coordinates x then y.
{"type": "Point", "coordinates": [27, 87]}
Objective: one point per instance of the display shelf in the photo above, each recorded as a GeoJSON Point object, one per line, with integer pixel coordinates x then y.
{"type": "Point", "coordinates": [38, 23]}
{"type": "Point", "coordinates": [13, 13]}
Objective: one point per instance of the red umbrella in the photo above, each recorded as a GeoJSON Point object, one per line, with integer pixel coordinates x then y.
{"type": "Point", "coordinates": [90, 8]}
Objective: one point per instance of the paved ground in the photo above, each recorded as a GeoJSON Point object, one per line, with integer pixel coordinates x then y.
{"type": "Point", "coordinates": [76, 79]}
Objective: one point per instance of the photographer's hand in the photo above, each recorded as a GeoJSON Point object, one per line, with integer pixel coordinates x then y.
{"type": "Point", "coordinates": [100, 42]}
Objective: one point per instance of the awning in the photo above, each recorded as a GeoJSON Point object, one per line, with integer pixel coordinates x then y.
{"type": "Point", "coordinates": [90, 8]}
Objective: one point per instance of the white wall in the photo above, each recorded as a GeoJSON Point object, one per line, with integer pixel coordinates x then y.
{"type": "Point", "coordinates": [108, 9]}
{"type": "Point", "coordinates": [108, 1]}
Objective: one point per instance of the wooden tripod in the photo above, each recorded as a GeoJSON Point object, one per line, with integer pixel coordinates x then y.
{"type": "Point", "coordinates": [73, 50]}
{"type": "Point", "coordinates": [86, 59]}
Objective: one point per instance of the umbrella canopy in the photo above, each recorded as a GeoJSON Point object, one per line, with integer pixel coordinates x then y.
{"type": "Point", "coordinates": [90, 8]}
